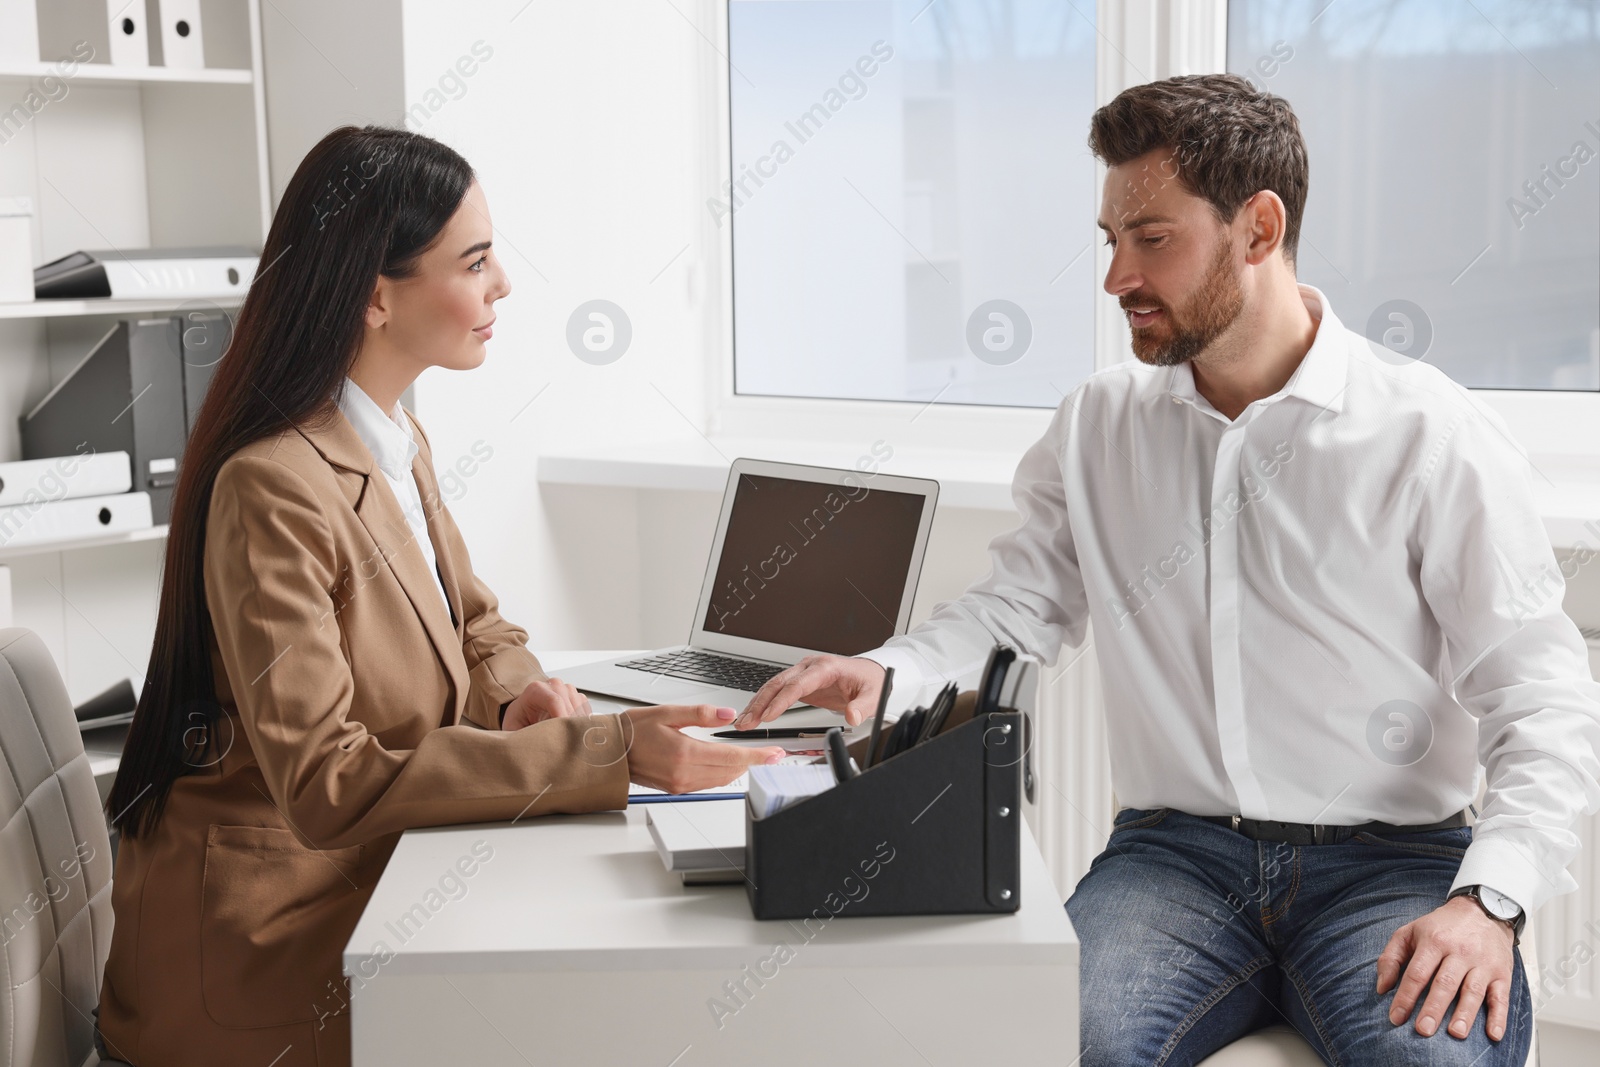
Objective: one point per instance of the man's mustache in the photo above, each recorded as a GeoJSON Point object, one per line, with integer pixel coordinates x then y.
{"type": "Point", "coordinates": [1137, 300]}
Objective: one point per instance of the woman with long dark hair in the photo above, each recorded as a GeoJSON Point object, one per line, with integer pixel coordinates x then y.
{"type": "Point", "coordinates": [327, 671]}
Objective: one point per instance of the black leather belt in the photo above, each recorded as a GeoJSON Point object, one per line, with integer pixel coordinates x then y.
{"type": "Point", "coordinates": [1306, 833]}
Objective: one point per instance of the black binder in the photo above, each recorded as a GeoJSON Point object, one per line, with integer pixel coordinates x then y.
{"type": "Point", "coordinates": [935, 830]}
{"type": "Point", "coordinates": [135, 392]}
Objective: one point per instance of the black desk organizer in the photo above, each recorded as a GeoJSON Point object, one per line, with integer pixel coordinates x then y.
{"type": "Point", "coordinates": [936, 830]}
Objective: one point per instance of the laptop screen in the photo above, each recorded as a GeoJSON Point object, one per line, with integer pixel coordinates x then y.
{"type": "Point", "coordinates": [814, 565]}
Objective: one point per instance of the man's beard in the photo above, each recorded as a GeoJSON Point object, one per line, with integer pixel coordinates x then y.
{"type": "Point", "coordinates": [1214, 307]}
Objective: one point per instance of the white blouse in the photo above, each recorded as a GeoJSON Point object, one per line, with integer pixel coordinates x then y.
{"type": "Point", "coordinates": [389, 439]}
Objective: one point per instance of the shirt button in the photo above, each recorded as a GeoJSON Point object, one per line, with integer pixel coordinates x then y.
{"type": "Point", "coordinates": [1177, 400]}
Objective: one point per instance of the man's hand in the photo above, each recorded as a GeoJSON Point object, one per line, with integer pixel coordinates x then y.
{"type": "Point", "coordinates": [549, 699]}
{"type": "Point", "coordinates": [838, 683]}
{"type": "Point", "coordinates": [662, 757]}
{"type": "Point", "coordinates": [1458, 948]}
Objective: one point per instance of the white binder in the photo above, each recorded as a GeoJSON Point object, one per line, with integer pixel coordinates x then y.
{"type": "Point", "coordinates": [64, 478]}
{"type": "Point", "coordinates": [179, 273]}
{"type": "Point", "coordinates": [130, 36]}
{"type": "Point", "coordinates": [179, 33]}
{"type": "Point", "coordinates": [66, 520]}
{"type": "Point", "coordinates": [77, 30]}
{"type": "Point", "coordinates": [19, 31]}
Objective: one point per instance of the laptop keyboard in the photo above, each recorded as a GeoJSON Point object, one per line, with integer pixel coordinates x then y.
{"type": "Point", "coordinates": [695, 666]}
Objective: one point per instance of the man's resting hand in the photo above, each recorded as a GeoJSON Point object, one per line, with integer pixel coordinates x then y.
{"type": "Point", "coordinates": [1457, 948]}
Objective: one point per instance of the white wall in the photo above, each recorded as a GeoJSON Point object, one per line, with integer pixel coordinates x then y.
{"type": "Point", "coordinates": [586, 129]}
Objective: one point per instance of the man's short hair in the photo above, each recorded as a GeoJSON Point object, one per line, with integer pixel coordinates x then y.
{"type": "Point", "coordinates": [1229, 141]}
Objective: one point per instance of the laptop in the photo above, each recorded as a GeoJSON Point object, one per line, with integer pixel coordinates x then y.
{"type": "Point", "coordinates": [805, 560]}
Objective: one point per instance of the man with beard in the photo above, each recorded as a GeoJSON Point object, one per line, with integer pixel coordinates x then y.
{"type": "Point", "coordinates": [1321, 594]}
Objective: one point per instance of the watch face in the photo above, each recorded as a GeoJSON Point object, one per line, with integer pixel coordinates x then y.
{"type": "Point", "coordinates": [1498, 903]}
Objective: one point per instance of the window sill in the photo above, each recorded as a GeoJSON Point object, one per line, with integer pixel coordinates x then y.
{"type": "Point", "coordinates": [1567, 490]}
{"type": "Point", "coordinates": [967, 479]}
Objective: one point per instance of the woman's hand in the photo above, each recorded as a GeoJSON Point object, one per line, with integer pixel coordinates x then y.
{"type": "Point", "coordinates": [661, 757]}
{"type": "Point", "coordinates": [549, 699]}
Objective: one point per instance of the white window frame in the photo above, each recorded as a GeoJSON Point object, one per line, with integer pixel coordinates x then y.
{"type": "Point", "coordinates": [1139, 41]}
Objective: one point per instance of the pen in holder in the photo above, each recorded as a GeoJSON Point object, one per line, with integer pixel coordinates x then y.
{"type": "Point", "coordinates": [933, 830]}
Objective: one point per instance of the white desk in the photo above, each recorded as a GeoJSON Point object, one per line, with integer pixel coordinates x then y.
{"type": "Point", "coordinates": [571, 944]}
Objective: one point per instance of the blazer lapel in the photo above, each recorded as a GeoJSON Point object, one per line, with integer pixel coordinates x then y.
{"type": "Point", "coordinates": [433, 508]}
{"type": "Point", "coordinates": [375, 505]}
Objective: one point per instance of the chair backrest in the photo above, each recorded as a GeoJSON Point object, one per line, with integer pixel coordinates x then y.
{"type": "Point", "coordinates": [55, 867]}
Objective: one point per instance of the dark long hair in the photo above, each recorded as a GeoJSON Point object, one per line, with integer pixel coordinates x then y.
{"type": "Point", "coordinates": [366, 201]}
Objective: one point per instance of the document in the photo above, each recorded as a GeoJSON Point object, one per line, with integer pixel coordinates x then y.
{"type": "Point", "coordinates": [774, 788]}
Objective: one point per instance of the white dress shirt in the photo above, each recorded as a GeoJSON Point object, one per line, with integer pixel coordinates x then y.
{"type": "Point", "coordinates": [1328, 610]}
{"type": "Point", "coordinates": [389, 439]}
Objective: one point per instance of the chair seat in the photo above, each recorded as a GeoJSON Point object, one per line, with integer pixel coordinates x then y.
{"type": "Point", "coordinates": [1276, 1046]}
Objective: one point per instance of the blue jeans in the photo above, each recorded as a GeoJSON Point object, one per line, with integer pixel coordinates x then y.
{"type": "Point", "coordinates": [1194, 935]}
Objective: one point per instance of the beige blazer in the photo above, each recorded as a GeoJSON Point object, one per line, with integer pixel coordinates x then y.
{"type": "Point", "coordinates": [355, 709]}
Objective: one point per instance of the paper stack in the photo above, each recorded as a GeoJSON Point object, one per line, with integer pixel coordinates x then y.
{"type": "Point", "coordinates": [776, 787]}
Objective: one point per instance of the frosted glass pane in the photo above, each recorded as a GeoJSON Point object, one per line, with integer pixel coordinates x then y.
{"type": "Point", "coordinates": [1454, 202]}
{"type": "Point", "coordinates": [912, 201]}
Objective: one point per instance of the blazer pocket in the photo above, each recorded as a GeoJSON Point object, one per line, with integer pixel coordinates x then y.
{"type": "Point", "coordinates": [274, 917]}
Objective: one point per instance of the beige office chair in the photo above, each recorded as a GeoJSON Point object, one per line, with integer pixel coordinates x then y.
{"type": "Point", "coordinates": [55, 868]}
{"type": "Point", "coordinates": [1282, 1045]}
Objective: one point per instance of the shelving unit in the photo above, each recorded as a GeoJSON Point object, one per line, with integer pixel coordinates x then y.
{"type": "Point", "coordinates": [104, 74]}
{"type": "Point", "coordinates": [56, 309]}
{"type": "Point", "coordinates": [126, 157]}
{"type": "Point", "coordinates": [122, 537]}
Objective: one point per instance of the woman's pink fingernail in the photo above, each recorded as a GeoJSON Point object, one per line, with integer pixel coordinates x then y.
{"type": "Point", "coordinates": [727, 714]}
{"type": "Point", "coordinates": [774, 757]}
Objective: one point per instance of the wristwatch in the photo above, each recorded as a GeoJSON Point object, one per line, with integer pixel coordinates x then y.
{"type": "Point", "coordinates": [1497, 906]}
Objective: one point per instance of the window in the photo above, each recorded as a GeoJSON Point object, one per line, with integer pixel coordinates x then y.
{"type": "Point", "coordinates": [912, 200]}
{"type": "Point", "coordinates": [1454, 208]}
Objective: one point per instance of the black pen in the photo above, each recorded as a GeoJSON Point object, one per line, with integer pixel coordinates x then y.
{"type": "Point", "coordinates": [940, 710]}
{"type": "Point", "coordinates": [877, 718]}
{"type": "Point", "coordinates": [777, 734]}
{"type": "Point", "coordinates": [844, 768]}
{"type": "Point", "coordinates": [994, 679]}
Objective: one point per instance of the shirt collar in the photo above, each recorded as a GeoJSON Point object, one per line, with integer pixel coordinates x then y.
{"type": "Point", "coordinates": [1320, 377]}
{"type": "Point", "coordinates": [387, 437]}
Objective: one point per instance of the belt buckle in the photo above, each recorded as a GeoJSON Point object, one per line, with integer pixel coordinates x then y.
{"type": "Point", "coordinates": [1235, 820]}
{"type": "Point", "coordinates": [1317, 833]}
